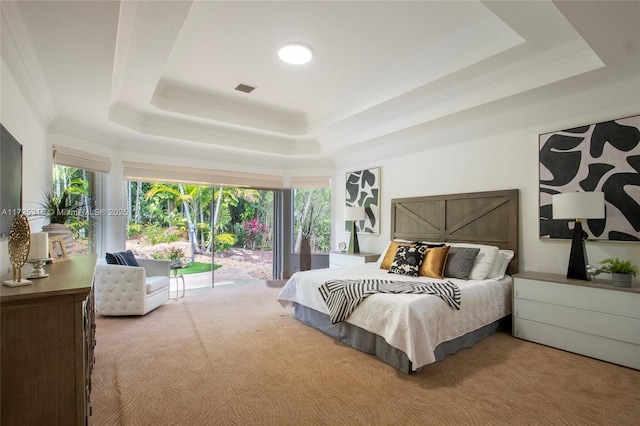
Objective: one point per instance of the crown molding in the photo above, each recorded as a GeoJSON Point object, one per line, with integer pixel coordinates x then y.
{"type": "Point", "coordinates": [174, 97]}
{"type": "Point", "coordinates": [216, 135]}
{"type": "Point", "coordinates": [615, 99]}
{"type": "Point", "coordinates": [81, 131]}
{"type": "Point", "coordinates": [19, 55]}
{"type": "Point", "coordinates": [427, 104]}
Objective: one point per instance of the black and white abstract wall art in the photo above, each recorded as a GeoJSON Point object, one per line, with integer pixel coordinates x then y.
{"type": "Point", "coordinates": [363, 190]}
{"type": "Point", "coordinates": [597, 157]}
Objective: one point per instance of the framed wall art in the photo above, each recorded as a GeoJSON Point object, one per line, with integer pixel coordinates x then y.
{"type": "Point", "coordinates": [363, 190]}
{"type": "Point", "coordinates": [596, 157]}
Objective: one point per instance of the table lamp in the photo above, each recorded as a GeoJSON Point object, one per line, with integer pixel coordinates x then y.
{"type": "Point", "coordinates": [578, 205]}
{"type": "Point", "coordinates": [353, 214]}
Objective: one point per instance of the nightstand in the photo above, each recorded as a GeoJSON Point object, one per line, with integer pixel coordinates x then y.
{"type": "Point", "coordinates": [592, 318]}
{"type": "Point", "coordinates": [340, 259]}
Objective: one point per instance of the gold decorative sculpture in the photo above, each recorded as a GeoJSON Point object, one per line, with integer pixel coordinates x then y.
{"type": "Point", "coordinates": [19, 245]}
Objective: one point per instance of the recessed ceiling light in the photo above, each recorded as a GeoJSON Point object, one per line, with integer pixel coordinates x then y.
{"type": "Point", "coordinates": [295, 54]}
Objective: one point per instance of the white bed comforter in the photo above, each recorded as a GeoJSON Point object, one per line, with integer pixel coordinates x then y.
{"type": "Point", "coordinates": [413, 323]}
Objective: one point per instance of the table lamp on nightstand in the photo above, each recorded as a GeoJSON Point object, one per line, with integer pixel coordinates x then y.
{"type": "Point", "coordinates": [578, 205]}
{"type": "Point", "coordinates": [354, 214]}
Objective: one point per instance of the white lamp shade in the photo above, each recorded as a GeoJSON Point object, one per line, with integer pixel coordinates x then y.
{"type": "Point", "coordinates": [578, 205]}
{"type": "Point", "coordinates": [354, 213]}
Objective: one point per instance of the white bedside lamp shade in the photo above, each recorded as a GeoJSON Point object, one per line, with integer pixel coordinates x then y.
{"type": "Point", "coordinates": [354, 214]}
{"type": "Point", "coordinates": [578, 205]}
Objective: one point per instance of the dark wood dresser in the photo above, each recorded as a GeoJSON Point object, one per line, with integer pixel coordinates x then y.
{"type": "Point", "coordinates": [48, 336]}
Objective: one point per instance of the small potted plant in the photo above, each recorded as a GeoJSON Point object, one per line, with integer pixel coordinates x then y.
{"type": "Point", "coordinates": [59, 208]}
{"type": "Point", "coordinates": [175, 255]}
{"type": "Point", "coordinates": [622, 271]}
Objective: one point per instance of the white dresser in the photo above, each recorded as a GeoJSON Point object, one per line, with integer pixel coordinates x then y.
{"type": "Point", "coordinates": [340, 259]}
{"type": "Point", "coordinates": [595, 319]}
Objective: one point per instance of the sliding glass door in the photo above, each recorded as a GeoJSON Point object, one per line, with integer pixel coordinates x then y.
{"type": "Point", "coordinates": [243, 235]}
{"type": "Point", "coordinates": [219, 235]}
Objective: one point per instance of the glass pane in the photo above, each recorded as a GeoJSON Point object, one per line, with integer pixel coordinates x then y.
{"type": "Point", "coordinates": [74, 202]}
{"type": "Point", "coordinates": [243, 235]}
{"type": "Point", "coordinates": [312, 218]}
{"type": "Point", "coordinates": [174, 222]}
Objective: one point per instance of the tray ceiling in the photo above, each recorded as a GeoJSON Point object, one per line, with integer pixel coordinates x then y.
{"type": "Point", "coordinates": [164, 73]}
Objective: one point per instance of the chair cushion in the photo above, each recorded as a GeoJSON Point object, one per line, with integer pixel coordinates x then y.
{"type": "Point", "coordinates": [124, 258]}
{"type": "Point", "coordinates": [156, 283]}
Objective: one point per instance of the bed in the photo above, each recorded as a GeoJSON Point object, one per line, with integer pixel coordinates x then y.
{"type": "Point", "coordinates": [409, 331]}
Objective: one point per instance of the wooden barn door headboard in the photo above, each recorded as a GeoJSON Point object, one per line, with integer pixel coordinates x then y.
{"type": "Point", "coordinates": [479, 217]}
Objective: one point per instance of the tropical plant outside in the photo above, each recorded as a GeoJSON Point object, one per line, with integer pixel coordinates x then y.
{"type": "Point", "coordinates": [70, 203]}
{"type": "Point", "coordinates": [312, 218]}
{"type": "Point", "coordinates": [164, 213]}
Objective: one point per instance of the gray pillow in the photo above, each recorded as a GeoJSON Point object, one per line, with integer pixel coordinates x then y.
{"type": "Point", "coordinates": [460, 261]}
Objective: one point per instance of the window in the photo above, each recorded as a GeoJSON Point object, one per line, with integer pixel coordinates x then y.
{"type": "Point", "coordinates": [312, 218]}
{"type": "Point", "coordinates": [77, 194]}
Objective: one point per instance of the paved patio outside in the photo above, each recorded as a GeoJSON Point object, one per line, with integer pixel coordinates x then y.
{"type": "Point", "coordinates": [222, 276]}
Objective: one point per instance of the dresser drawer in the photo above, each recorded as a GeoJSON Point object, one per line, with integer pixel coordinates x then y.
{"type": "Point", "coordinates": [580, 297]}
{"type": "Point", "coordinates": [607, 325]}
{"type": "Point", "coordinates": [599, 347]}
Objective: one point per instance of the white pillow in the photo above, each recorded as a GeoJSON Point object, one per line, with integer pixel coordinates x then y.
{"type": "Point", "coordinates": [501, 264]}
{"type": "Point", "coordinates": [484, 260]}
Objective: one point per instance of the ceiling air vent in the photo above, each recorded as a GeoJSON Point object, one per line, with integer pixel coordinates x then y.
{"type": "Point", "coordinates": [244, 88]}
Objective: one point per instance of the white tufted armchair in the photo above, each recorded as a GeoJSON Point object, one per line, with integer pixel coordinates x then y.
{"type": "Point", "coordinates": [131, 290]}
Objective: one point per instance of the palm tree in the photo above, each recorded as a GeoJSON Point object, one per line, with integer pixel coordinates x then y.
{"type": "Point", "coordinates": [186, 198]}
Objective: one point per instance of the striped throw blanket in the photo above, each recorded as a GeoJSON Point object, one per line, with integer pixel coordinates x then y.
{"type": "Point", "coordinates": [342, 296]}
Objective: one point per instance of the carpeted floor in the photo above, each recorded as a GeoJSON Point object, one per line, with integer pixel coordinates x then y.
{"type": "Point", "coordinates": [233, 356]}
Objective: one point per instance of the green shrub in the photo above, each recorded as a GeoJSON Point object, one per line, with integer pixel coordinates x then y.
{"type": "Point", "coordinates": [153, 234]}
{"type": "Point", "coordinates": [158, 255]}
{"type": "Point", "coordinates": [134, 230]}
{"type": "Point", "coordinates": [170, 237]}
{"type": "Point", "coordinates": [225, 241]}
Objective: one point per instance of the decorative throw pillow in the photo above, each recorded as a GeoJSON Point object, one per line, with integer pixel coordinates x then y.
{"type": "Point", "coordinates": [124, 258]}
{"type": "Point", "coordinates": [390, 255]}
{"type": "Point", "coordinates": [408, 260]}
{"type": "Point", "coordinates": [460, 261]}
{"type": "Point", "coordinates": [111, 259]}
{"type": "Point", "coordinates": [434, 262]}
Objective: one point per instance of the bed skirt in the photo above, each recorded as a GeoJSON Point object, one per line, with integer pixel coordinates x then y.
{"type": "Point", "coordinates": [373, 344]}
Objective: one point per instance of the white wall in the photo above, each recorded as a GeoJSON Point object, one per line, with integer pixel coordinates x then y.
{"type": "Point", "coordinates": [20, 120]}
{"type": "Point", "coordinates": [502, 161]}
